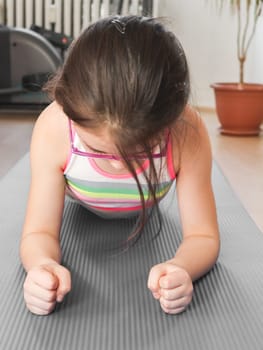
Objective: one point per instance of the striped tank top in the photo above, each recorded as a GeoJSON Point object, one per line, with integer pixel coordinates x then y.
{"type": "Point", "coordinates": [108, 195]}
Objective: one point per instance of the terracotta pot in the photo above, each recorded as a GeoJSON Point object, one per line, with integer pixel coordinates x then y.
{"type": "Point", "coordinates": [239, 108]}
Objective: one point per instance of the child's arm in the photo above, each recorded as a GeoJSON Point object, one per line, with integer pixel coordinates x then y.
{"type": "Point", "coordinates": [171, 282]}
{"type": "Point", "coordinates": [47, 281]}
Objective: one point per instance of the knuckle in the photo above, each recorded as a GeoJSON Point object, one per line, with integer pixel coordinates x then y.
{"type": "Point", "coordinates": [62, 292]}
{"type": "Point", "coordinates": [30, 273]}
{"type": "Point", "coordinates": [165, 283]}
{"type": "Point", "coordinates": [190, 298]}
{"type": "Point", "coordinates": [167, 310]}
{"type": "Point", "coordinates": [165, 303]}
{"type": "Point", "coordinates": [26, 285]}
{"type": "Point", "coordinates": [51, 283]}
{"type": "Point", "coordinates": [64, 289]}
{"type": "Point", "coordinates": [155, 268]}
{"type": "Point", "coordinates": [50, 307]}
{"type": "Point", "coordinates": [47, 308]}
{"type": "Point", "coordinates": [51, 297]}
{"type": "Point", "coordinates": [166, 294]}
{"type": "Point", "coordinates": [185, 278]}
{"type": "Point", "coordinates": [152, 272]}
{"type": "Point", "coordinates": [190, 290]}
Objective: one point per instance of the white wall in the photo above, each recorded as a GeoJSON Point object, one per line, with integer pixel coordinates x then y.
{"type": "Point", "coordinates": [209, 39]}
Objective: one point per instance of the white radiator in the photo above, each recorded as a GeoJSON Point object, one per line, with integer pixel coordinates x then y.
{"type": "Point", "coordinates": [67, 16]}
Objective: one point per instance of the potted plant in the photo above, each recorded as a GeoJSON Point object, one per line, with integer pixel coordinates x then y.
{"type": "Point", "coordinates": [239, 106]}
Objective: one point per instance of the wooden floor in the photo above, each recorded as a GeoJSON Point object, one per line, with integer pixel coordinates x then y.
{"type": "Point", "coordinates": [15, 134]}
{"type": "Point", "coordinates": [240, 158]}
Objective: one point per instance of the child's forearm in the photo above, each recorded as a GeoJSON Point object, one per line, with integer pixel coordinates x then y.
{"type": "Point", "coordinates": [38, 248]}
{"type": "Point", "coordinates": [197, 255]}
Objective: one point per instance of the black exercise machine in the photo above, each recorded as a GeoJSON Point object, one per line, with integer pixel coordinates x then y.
{"type": "Point", "coordinates": [27, 59]}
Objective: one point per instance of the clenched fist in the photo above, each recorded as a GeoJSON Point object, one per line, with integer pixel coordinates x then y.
{"type": "Point", "coordinates": [172, 286]}
{"type": "Point", "coordinates": [44, 286]}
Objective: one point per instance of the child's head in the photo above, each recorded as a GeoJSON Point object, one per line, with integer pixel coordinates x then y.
{"type": "Point", "coordinates": [128, 75]}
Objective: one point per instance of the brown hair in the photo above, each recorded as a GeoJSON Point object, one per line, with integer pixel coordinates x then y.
{"type": "Point", "coordinates": [129, 73]}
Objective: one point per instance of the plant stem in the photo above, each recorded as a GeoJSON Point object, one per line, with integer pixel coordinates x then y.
{"type": "Point", "coordinates": [243, 42]}
{"type": "Point", "coordinates": [241, 69]}
{"type": "Point", "coordinates": [245, 30]}
{"type": "Point", "coordinates": [256, 17]}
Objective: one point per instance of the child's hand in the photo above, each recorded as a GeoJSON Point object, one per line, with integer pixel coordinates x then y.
{"type": "Point", "coordinates": [44, 286]}
{"type": "Point", "coordinates": [172, 286]}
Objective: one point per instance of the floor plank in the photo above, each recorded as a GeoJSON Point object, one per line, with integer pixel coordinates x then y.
{"type": "Point", "coordinates": [15, 134]}
{"type": "Point", "coordinates": [241, 160]}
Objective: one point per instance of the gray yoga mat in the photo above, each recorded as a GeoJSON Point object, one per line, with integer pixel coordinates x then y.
{"type": "Point", "coordinates": [110, 306]}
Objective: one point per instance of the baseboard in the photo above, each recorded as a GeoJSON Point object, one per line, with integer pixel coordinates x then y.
{"type": "Point", "coordinates": [205, 109]}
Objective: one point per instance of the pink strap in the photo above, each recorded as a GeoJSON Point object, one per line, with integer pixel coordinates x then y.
{"type": "Point", "coordinates": [71, 137]}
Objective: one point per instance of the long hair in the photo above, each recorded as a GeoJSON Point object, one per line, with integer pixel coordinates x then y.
{"type": "Point", "coordinates": [130, 74]}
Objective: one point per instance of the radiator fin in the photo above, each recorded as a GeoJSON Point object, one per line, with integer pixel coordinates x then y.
{"type": "Point", "coordinates": [68, 16]}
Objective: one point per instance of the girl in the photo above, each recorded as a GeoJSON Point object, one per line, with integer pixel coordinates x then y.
{"type": "Point", "coordinates": [120, 121]}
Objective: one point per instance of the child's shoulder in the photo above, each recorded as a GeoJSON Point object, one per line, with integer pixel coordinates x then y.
{"type": "Point", "coordinates": [52, 130]}
{"type": "Point", "coordinates": [190, 135]}
{"type": "Point", "coordinates": [192, 118]}
{"type": "Point", "coordinates": [189, 127]}
{"type": "Point", "coordinates": [52, 117]}
{"type": "Point", "coordinates": [53, 122]}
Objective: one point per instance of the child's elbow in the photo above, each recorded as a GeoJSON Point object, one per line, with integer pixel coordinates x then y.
{"type": "Point", "coordinates": [215, 249]}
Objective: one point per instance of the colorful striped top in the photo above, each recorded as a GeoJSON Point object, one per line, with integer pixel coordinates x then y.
{"type": "Point", "coordinates": [108, 195]}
